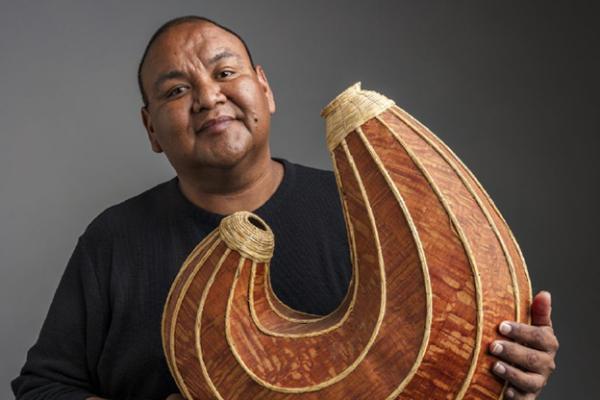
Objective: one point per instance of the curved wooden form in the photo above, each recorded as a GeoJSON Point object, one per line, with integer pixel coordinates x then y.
{"type": "Point", "coordinates": [435, 270]}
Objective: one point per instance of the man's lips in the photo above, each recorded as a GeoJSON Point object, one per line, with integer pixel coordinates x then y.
{"type": "Point", "coordinates": [215, 125]}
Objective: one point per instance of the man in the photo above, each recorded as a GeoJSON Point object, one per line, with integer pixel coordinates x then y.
{"type": "Point", "coordinates": [207, 107]}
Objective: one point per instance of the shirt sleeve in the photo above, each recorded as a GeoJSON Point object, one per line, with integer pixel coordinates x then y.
{"type": "Point", "coordinates": [62, 363]}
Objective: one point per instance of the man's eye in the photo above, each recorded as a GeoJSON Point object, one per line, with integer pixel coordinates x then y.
{"type": "Point", "coordinates": [176, 91]}
{"type": "Point", "coordinates": [224, 74]}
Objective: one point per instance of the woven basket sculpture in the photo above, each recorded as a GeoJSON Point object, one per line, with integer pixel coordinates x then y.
{"type": "Point", "coordinates": [435, 270]}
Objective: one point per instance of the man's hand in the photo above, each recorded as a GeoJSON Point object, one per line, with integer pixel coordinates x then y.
{"type": "Point", "coordinates": [531, 354]}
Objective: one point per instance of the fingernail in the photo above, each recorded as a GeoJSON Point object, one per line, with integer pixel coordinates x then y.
{"type": "Point", "coordinates": [510, 393]}
{"type": "Point", "coordinates": [505, 328]}
{"type": "Point", "coordinates": [500, 369]}
{"type": "Point", "coordinates": [497, 348]}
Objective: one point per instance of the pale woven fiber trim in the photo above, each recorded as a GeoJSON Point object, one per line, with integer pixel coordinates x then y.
{"type": "Point", "coordinates": [516, 291]}
{"type": "Point", "coordinates": [200, 247]}
{"type": "Point", "coordinates": [349, 110]}
{"type": "Point", "coordinates": [175, 371]}
{"type": "Point", "coordinates": [371, 341]}
{"type": "Point", "coordinates": [230, 341]}
{"type": "Point", "coordinates": [198, 329]}
{"type": "Point", "coordinates": [427, 279]}
{"type": "Point", "coordinates": [470, 257]}
{"type": "Point", "coordinates": [310, 318]}
{"type": "Point", "coordinates": [507, 256]}
{"type": "Point", "coordinates": [247, 239]}
{"type": "Point", "coordinates": [269, 332]}
{"type": "Point", "coordinates": [487, 196]}
{"type": "Point", "coordinates": [349, 224]}
{"type": "Point", "coordinates": [352, 288]}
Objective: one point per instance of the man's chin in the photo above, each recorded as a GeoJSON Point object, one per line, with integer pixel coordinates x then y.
{"type": "Point", "coordinates": [223, 162]}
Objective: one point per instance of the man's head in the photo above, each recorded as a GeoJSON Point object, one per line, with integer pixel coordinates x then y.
{"type": "Point", "coordinates": [208, 106]}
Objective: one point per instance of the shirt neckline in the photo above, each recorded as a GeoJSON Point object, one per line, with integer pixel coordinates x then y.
{"type": "Point", "coordinates": [274, 202]}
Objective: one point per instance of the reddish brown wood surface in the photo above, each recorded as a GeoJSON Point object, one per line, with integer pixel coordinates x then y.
{"type": "Point", "coordinates": [436, 269]}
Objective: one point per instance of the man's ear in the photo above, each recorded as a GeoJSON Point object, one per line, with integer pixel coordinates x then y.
{"type": "Point", "coordinates": [262, 79]}
{"type": "Point", "coordinates": [147, 120]}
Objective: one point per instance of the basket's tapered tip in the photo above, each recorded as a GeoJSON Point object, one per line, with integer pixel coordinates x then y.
{"type": "Point", "coordinates": [352, 108]}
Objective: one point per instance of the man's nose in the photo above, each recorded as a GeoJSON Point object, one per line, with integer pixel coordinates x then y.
{"type": "Point", "coordinates": [207, 95]}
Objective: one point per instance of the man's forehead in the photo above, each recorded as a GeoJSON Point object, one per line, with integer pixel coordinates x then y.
{"type": "Point", "coordinates": [195, 36]}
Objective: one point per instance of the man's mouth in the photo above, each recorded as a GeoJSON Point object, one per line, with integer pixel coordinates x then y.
{"type": "Point", "coordinates": [216, 125]}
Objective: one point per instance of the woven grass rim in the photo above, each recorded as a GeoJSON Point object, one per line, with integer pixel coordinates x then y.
{"type": "Point", "coordinates": [348, 111]}
{"type": "Point", "coordinates": [249, 235]}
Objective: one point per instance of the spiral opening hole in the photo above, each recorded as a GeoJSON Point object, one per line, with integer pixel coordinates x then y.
{"type": "Point", "coordinates": [257, 223]}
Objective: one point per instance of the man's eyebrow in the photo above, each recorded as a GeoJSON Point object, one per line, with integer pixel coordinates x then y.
{"type": "Point", "coordinates": [165, 77]}
{"type": "Point", "coordinates": [178, 74]}
{"type": "Point", "coordinates": [221, 55]}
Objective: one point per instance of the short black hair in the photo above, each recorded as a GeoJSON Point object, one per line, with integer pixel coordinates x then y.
{"type": "Point", "coordinates": [171, 24]}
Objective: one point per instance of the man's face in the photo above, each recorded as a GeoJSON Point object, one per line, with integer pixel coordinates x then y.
{"type": "Point", "coordinates": [208, 108]}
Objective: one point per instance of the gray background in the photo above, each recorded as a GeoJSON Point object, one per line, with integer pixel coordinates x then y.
{"type": "Point", "coordinates": [511, 86]}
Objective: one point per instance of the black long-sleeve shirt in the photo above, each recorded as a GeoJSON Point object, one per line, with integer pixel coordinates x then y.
{"type": "Point", "coordinates": [102, 335]}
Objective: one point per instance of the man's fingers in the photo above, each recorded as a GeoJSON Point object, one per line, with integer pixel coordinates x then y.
{"type": "Point", "coordinates": [528, 359]}
{"type": "Point", "coordinates": [541, 308]}
{"type": "Point", "coordinates": [527, 382]}
{"type": "Point", "coordinates": [537, 337]}
{"type": "Point", "coordinates": [512, 393]}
